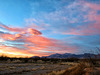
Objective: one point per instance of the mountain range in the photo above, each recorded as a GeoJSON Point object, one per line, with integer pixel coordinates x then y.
{"type": "Point", "coordinates": [69, 55]}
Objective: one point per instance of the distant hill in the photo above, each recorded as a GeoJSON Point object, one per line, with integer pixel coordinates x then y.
{"type": "Point", "coordinates": [69, 55]}
{"type": "Point", "coordinates": [35, 57]}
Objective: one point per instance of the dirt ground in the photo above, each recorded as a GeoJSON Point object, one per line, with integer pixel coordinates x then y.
{"type": "Point", "coordinates": [29, 68]}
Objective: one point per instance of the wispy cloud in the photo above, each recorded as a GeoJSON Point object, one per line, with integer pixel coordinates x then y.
{"type": "Point", "coordinates": [74, 18]}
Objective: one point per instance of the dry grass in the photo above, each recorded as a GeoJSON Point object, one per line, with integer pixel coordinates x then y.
{"type": "Point", "coordinates": [69, 63]}
{"type": "Point", "coordinates": [56, 72]}
{"type": "Point", "coordinates": [74, 70]}
{"type": "Point", "coordinates": [34, 69]}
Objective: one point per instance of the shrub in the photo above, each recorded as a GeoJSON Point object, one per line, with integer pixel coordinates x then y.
{"type": "Point", "coordinates": [75, 70]}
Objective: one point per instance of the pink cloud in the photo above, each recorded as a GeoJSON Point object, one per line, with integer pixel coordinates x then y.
{"type": "Point", "coordinates": [10, 36]}
{"type": "Point", "coordinates": [91, 28]}
{"type": "Point", "coordinates": [34, 31]}
{"type": "Point", "coordinates": [11, 28]}
{"type": "Point", "coordinates": [88, 29]}
{"type": "Point", "coordinates": [93, 6]}
{"type": "Point", "coordinates": [35, 44]}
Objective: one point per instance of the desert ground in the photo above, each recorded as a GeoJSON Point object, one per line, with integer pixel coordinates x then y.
{"type": "Point", "coordinates": [29, 68]}
{"type": "Point", "coordinates": [45, 66]}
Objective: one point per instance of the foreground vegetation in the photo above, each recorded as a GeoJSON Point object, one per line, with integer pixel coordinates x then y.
{"type": "Point", "coordinates": [49, 66]}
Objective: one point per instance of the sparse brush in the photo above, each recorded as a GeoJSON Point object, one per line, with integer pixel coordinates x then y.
{"type": "Point", "coordinates": [34, 69]}
{"type": "Point", "coordinates": [40, 61]}
{"type": "Point", "coordinates": [12, 67]}
{"type": "Point", "coordinates": [75, 70]}
{"type": "Point", "coordinates": [57, 72]}
{"type": "Point", "coordinates": [16, 61]}
{"type": "Point", "coordinates": [43, 67]}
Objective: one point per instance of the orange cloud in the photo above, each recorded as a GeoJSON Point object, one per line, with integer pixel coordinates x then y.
{"type": "Point", "coordinates": [17, 35]}
{"type": "Point", "coordinates": [11, 28]}
{"type": "Point", "coordinates": [40, 41]}
{"type": "Point", "coordinates": [10, 36]}
{"type": "Point", "coordinates": [34, 31]}
{"type": "Point", "coordinates": [34, 44]}
{"type": "Point", "coordinates": [14, 52]}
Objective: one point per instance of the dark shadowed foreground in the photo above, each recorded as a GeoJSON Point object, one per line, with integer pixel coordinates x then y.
{"type": "Point", "coordinates": [49, 66]}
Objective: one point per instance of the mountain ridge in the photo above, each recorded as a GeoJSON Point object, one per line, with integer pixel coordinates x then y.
{"type": "Point", "coordinates": [70, 55]}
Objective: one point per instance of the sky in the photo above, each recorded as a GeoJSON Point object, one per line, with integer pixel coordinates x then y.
{"type": "Point", "coordinates": [44, 27]}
